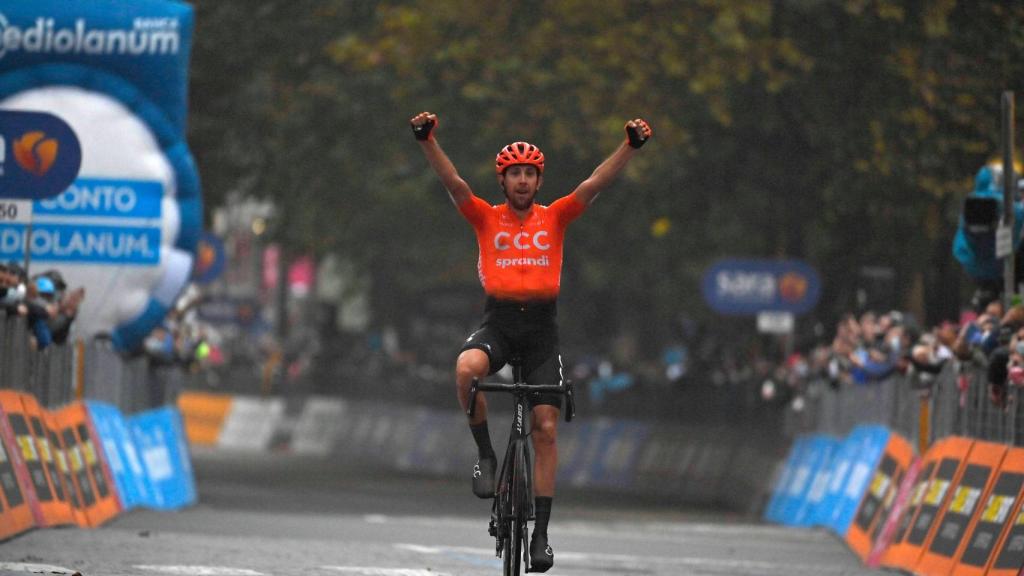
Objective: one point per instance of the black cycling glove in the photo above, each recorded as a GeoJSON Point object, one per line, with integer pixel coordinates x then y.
{"type": "Point", "coordinates": [636, 134]}
{"type": "Point", "coordinates": [422, 132]}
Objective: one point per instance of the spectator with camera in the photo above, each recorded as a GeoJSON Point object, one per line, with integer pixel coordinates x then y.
{"type": "Point", "coordinates": [68, 302]}
{"type": "Point", "coordinates": [974, 245]}
{"type": "Point", "coordinates": [41, 305]}
{"type": "Point", "coordinates": [980, 335]}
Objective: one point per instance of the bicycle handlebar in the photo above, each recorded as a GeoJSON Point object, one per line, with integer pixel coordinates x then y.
{"type": "Point", "coordinates": [516, 387]}
{"type": "Point", "coordinates": [566, 390]}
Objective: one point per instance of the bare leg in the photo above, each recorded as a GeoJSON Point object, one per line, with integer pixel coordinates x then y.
{"type": "Point", "coordinates": [545, 448]}
{"type": "Point", "coordinates": [472, 363]}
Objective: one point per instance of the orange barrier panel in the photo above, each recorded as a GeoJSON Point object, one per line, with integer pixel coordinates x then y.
{"type": "Point", "coordinates": [979, 471]}
{"type": "Point", "coordinates": [894, 554]}
{"type": "Point", "coordinates": [64, 468]}
{"type": "Point", "coordinates": [28, 466]}
{"type": "Point", "coordinates": [994, 517]}
{"type": "Point", "coordinates": [940, 470]}
{"type": "Point", "coordinates": [88, 469]}
{"type": "Point", "coordinates": [878, 499]}
{"type": "Point", "coordinates": [885, 532]}
{"type": "Point", "coordinates": [204, 415]}
{"type": "Point", "coordinates": [55, 508]}
{"type": "Point", "coordinates": [16, 514]}
{"type": "Point", "coordinates": [1009, 552]}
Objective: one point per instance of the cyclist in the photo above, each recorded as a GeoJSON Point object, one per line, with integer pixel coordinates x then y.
{"type": "Point", "coordinates": [519, 266]}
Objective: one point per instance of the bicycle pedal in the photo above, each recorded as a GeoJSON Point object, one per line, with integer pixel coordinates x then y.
{"type": "Point", "coordinates": [492, 529]}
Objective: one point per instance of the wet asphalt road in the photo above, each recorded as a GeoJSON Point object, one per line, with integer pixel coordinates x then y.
{"type": "Point", "coordinates": [283, 515]}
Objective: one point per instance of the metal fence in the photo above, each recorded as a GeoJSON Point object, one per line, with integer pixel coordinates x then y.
{"type": "Point", "coordinates": [922, 407]}
{"type": "Point", "coordinates": [83, 369]}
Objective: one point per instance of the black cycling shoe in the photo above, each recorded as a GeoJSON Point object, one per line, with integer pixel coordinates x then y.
{"type": "Point", "coordinates": [483, 477]}
{"type": "Point", "coordinates": [542, 557]}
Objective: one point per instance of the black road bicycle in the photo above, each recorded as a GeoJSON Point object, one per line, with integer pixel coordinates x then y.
{"type": "Point", "coordinates": [513, 498]}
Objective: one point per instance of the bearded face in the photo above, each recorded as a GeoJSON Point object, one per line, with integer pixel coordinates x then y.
{"type": "Point", "coordinates": [520, 183]}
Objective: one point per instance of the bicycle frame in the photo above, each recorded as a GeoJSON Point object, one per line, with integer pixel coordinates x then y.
{"type": "Point", "coordinates": [513, 499]}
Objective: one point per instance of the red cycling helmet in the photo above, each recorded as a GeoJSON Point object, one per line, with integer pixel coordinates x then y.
{"type": "Point", "coordinates": [519, 153]}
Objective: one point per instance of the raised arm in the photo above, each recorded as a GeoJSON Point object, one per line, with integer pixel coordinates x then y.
{"type": "Point", "coordinates": [423, 125]}
{"type": "Point", "coordinates": [637, 133]}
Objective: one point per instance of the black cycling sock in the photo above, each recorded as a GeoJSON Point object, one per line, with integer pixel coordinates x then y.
{"type": "Point", "coordinates": [542, 506]}
{"type": "Point", "coordinates": [483, 440]}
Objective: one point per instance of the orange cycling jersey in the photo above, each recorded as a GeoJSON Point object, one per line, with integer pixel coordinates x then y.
{"type": "Point", "coordinates": [521, 259]}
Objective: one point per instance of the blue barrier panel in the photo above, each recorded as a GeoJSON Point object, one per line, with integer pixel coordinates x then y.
{"type": "Point", "coordinates": [573, 443]}
{"type": "Point", "coordinates": [118, 445]}
{"type": "Point", "coordinates": [815, 450]}
{"type": "Point", "coordinates": [160, 439]}
{"type": "Point", "coordinates": [619, 450]}
{"type": "Point", "coordinates": [841, 465]}
{"type": "Point", "coordinates": [780, 495]}
{"type": "Point", "coordinates": [868, 443]}
{"type": "Point", "coordinates": [825, 450]}
{"type": "Point", "coordinates": [431, 450]}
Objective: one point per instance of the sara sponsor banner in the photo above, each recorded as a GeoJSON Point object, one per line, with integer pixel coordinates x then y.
{"type": "Point", "coordinates": [126, 228]}
{"type": "Point", "coordinates": [749, 287]}
{"type": "Point", "coordinates": [39, 154]}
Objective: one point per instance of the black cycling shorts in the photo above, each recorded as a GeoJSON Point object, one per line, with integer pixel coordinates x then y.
{"type": "Point", "coordinates": [523, 330]}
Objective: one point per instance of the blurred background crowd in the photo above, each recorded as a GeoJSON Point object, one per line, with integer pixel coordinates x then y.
{"type": "Point", "coordinates": [43, 299]}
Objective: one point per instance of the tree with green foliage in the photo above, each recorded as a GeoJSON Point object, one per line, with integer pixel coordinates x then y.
{"type": "Point", "coordinates": [844, 133]}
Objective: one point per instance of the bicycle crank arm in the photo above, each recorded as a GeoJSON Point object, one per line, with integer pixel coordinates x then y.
{"type": "Point", "coordinates": [471, 409]}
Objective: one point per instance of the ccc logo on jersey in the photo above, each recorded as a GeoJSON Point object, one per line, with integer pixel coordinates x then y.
{"type": "Point", "coordinates": [35, 153]}
{"type": "Point", "coordinates": [522, 240]}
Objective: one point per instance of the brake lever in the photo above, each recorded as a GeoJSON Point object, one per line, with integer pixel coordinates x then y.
{"type": "Point", "coordinates": [570, 401]}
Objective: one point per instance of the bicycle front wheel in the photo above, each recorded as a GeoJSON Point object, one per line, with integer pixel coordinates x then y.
{"type": "Point", "coordinates": [507, 552]}
{"type": "Point", "coordinates": [515, 545]}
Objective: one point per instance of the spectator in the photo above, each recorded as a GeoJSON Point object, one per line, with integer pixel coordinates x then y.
{"type": "Point", "coordinates": [15, 288]}
{"type": "Point", "coordinates": [980, 334]}
{"type": "Point", "coordinates": [67, 309]}
{"type": "Point", "coordinates": [929, 354]}
{"type": "Point", "coordinates": [160, 346]}
{"type": "Point", "coordinates": [974, 245]}
{"type": "Point", "coordinates": [42, 305]}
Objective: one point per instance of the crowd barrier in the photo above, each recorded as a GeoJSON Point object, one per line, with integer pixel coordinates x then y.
{"type": "Point", "coordinates": [954, 510]}
{"type": "Point", "coordinates": [85, 463]}
{"type": "Point", "coordinates": [920, 473]}
{"type": "Point", "coordinates": [709, 465]}
{"type": "Point", "coordinates": [921, 407]}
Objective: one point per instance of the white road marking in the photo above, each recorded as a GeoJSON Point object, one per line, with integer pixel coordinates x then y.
{"type": "Point", "coordinates": [640, 531]}
{"type": "Point", "coordinates": [199, 570]}
{"type": "Point", "coordinates": [420, 549]}
{"type": "Point", "coordinates": [368, 571]}
{"type": "Point", "coordinates": [35, 568]}
{"type": "Point", "coordinates": [747, 566]}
